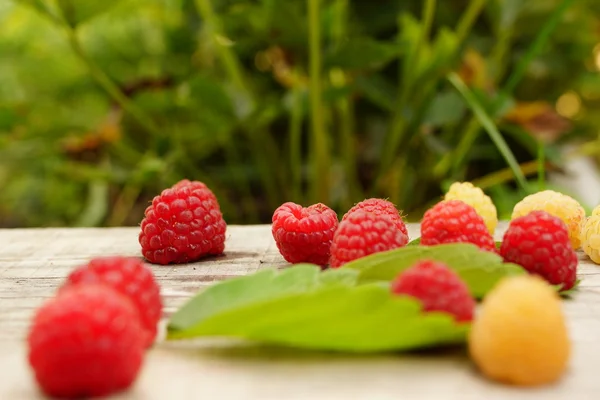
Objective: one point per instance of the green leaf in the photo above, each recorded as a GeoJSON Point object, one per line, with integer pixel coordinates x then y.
{"type": "Point", "coordinates": [78, 11]}
{"type": "Point", "coordinates": [446, 108]}
{"type": "Point", "coordinates": [305, 308]}
{"type": "Point", "coordinates": [362, 53]}
{"type": "Point", "coordinates": [415, 242]}
{"type": "Point", "coordinates": [480, 270]}
{"type": "Point", "coordinates": [490, 128]}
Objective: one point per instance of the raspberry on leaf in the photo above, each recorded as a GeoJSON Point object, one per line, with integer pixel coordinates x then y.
{"type": "Point", "coordinates": [539, 242]}
{"type": "Point", "coordinates": [304, 234]}
{"type": "Point", "coordinates": [363, 233]}
{"type": "Point", "coordinates": [183, 224]}
{"type": "Point", "coordinates": [438, 288]}
{"type": "Point", "coordinates": [379, 207]}
{"type": "Point", "coordinates": [129, 276]}
{"type": "Point", "coordinates": [454, 221]}
{"type": "Point", "coordinates": [86, 342]}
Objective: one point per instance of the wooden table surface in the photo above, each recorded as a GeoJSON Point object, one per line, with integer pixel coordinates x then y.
{"type": "Point", "coordinates": [33, 263]}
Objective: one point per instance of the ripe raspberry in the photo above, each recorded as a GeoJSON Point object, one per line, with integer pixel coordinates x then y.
{"type": "Point", "coordinates": [364, 233]}
{"type": "Point", "coordinates": [539, 242]}
{"type": "Point", "coordinates": [557, 204]}
{"type": "Point", "coordinates": [380, 206]}
{"type": "Point", "coordinates": [86, 342]}
{"type": "Point", "coordinates": [437, 287]}
{"type": "Point", "coordinates": [304, 234]}
{"type": "Point", "coordinates": [476, 198]}
{"type": "Point", "coordinates": [519, 335]}
{"type": "Point", "coordinates": [183, 224]}
{"type": "Point", "coordinates": [590, 236]}
{"type": "Point", "coordinates": [130, 277]}
{"type": "Point", "coordinates": [454, 221]}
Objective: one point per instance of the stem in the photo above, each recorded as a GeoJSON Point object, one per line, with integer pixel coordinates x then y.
{"type": "Point", "coordinates": [541, 163]}
{"type": "Point", "coordinates": [539, 42]}
{"type": "Point", "coordinates": [515, 77]}
{"type": "Point", "coordinates": [124, 204]}
{"type": "Point", "coordinates": [345, 110]}
{"type": "Point", "coordinates": [295, 135]}
{"type": "Point", "coordinates": [110, 87]}
{"type": "Point", "coordinates": [490, 128]}
{"type": "Point", "coordinates": [454, 158]}
{"type": "Point", "coordinates": [405, 85]}
{"type": "Point", "coordinates": [319, 139]}
{"type": "Point", "coordinates": [262, 144]}
{"type": "Point", "coordinates": [504, 175]}
{"type": "Point", "coordinates": [228, 57]}
{"type": "Point", "coordinates": [468, 19]}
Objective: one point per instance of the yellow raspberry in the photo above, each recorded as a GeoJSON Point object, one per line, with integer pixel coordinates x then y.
{"type": "Point", "coordinates": [596, 211]}
{"type": "Point", "coordinates": [590, 236]}
{"type": "Point", "coordinates": [476, 198]}
{"type": "Point", "coordinates": [560, 205]}
{"type": "Point", "coordinates": [520, 336]}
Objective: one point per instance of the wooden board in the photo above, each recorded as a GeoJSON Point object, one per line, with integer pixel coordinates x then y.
{"type": "Point", "coordinates": [33, 263]}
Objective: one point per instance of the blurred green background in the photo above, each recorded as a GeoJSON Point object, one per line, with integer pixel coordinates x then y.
{"type": "Point", "coordinates": [104, 104]}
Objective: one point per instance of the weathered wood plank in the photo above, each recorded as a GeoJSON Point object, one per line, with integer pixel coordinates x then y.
{"type": "Point", "coordinates": [33, 263]}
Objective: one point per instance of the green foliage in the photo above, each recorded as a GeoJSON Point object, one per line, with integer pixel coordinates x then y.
{"type": "Point", "coordinates": [303, 307]}
{"type": "Point", "coordinates": [103, 104]}
{"type": "Point", "coordinates": [479, 269]}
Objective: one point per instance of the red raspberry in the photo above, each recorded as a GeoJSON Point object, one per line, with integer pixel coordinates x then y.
{"type": "Point", "coordinates": [453, 221]}
{"type": "Point", "coordinates": [183, 224]}
{"type": "Point", "coordinates": [130, 277]}
{"type": "Point", "coordinates": [304, 234]}
{"type": "Point", "coordinates": [86, 342]}
{"type": "Point", "coordinates": [539, 242]}
{"type": "Point", "coordinates": [380, 207]}
{"type": "Point", "coordinates": [364, 233]}
{"type": "Point", "coordinates": [437, 287]}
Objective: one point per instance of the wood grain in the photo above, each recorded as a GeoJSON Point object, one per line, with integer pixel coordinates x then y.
{"type": "Point", "coordinates": [34, 262]}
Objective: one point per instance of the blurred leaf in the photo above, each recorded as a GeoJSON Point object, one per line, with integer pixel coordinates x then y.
{"type": "Point", "coordinates": [361, 53]}
{"type": "Point", "coordinates": [539, 119]}
{"type": "Point", "coordinates": [377, 89]}
{"type": "Point", "coordinates": [209, 95]}
{"type": "Point", "coordinates": [45, 7]}
{"type": "Point", "coordinates": [446, 108]}
{"type": "Point", "coordinates": [78, 11]}
{"type": "Point", "coordinates": [507, 12]}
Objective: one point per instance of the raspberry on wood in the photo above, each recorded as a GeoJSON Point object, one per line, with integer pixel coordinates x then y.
{"type": "Point", "coordinates": [454, 221]}
{"type": "Point", "coordinates": [129, 276]}
{"type": "Point", "coordinates": [558, 204]}
{"type": "Point", "coordinates": [438, 288]}
{"type": "Point", "coordinates": [86, 342]}
{"type": "Point", "coordinates": [476, 198]}
{"type": "Point", "coordinates": [520, 336]}
{"type": "Point", "coordinates": [590, 236]}
{"type": "Point", "coordinates": [183, 224]}
{"type": "Point", "coordinates": [539, 242]}
{"type": "Point", "coordinates": [304, 234]}
{"type": "Point", "coordinates": [379, 207]}
{"type": "Point", "coordinates": [363, 233]}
